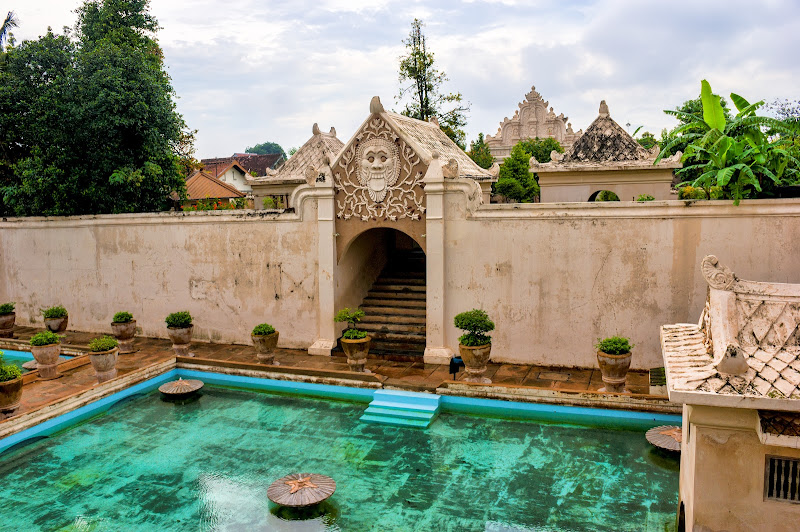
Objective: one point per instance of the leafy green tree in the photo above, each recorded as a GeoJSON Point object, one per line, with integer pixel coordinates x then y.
{"type": "Point", "coordinates": [88, 125]}
{"type": "Point", "coordinates": [516, 180]}
{"type": "Point", "coordinates": [647, 140]}
{"type": "Point", "coordinates": [422, 83]}
{"type": "Point", "coordinates": [479, 152]}
{"type": "Point", "coordinates": [266, 148]}
{"type": "Point", "coordinates": [734, 154]}
{"type": "Point", "coordinates": [541, 148]}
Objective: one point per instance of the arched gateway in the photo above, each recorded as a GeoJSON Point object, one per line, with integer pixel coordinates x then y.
{"type": "Point", "coordinates": [381, 211]}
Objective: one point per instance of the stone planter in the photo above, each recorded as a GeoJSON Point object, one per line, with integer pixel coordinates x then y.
{"type": "Point", "coordinates": [475, 359]}
{"type": "Point", "coordinates": [47, 359]}
{"type": "Point", "coordinates": [10, 395]}
{"type": "Point", "coordinates": [125, 334]}
{"type": "Point", "coordinates": [104, 364]}
{"type": "Point", "coordinates": [7, 325]}
{"type": "Point", "coordinates": [264, 345]}
{"type": "Point", "coordinates": [181, 340]}
{"type": "Point", "coordinates": [356, 351]}
{"type": "Point", "coordinates": [614, 369]}
{"type": "Point", "coordinates": [56, 325]}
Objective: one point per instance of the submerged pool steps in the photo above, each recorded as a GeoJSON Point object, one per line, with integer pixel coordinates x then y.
{"type": "Point", "coordinates": [405, 409]}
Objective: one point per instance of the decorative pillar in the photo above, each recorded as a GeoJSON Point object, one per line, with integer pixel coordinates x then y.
{"type": "Point", "coordinates": [326, 252]}
{"type": "Point", "coordinates": [436, 352]}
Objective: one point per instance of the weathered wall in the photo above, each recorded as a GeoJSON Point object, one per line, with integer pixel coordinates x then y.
{"type": "Point", "coordinates": [230, 270]}
{"type": "Point", "coordinates": [556, 277]}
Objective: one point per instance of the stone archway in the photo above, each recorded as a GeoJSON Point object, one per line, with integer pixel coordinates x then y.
{"type": "Point", "coordinates": [383, 271]}
{"type": "Point", "coordinates": [598, 195]}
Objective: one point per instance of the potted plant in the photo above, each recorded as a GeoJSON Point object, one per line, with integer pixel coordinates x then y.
{"type": "Point", "coordinates": [179, 328]}
{"type": "Point", "coordinates": [46, 348]}
{"type": "Point", "coordinates": [103, 356]}
{"type": "Point", "coordinates": [355, 343]}
{"type": "Point", "coordinates": [614, 359]}
{"type": "Point", "coordinates": [265, 339]}
{"type": "Point", "coordinates": [124, 328]}
{"type": "Point", "coordinates": [10, 386]}
{"type": "Point", "coordinates": [56, 318]}
{"type": "Point", "coordinates": [475, 345]}
{"type": "Point", "coordinates": [7, 318]}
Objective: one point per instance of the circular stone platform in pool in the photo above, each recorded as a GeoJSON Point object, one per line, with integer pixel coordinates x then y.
{"type": "Point", "coordinates": [180, 387]}
{"type": "Point", "coordinates": [666, 437]}
{"type": "Point", "coordinates": [301, 489]}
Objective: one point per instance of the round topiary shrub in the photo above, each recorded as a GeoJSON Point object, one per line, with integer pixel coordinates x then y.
{"type": "Point", "coordinates": [6, 308]}
{"type": "Point", "coordinates": [8, 372]}
{"type": "Point", "coordinates": [104, 343]}
{"type": "Point", "coordinates": [44, 338]}
{"type": "Point", "coordinates": [351, 317]}
{"type": "Point", "coordinates": [54, 312]}
{"type": "Point", "coordinates": [122, 317]}
{"type": "Point", "coordinates": [614, 345]}
{"type": "Point", "coordinates": [476, 324]}
{"type": "Point", "coordinates": [179, 320]}
{"type": "Point", "coordinates": [263, 329]}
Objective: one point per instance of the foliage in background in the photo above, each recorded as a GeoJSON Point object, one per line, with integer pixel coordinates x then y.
{"type": "Point", "coordinates": [266, 148]}
{"type": "Point", "coordinates": [263, 329]}
{"type": "Point", "coordinates": [479, 152]}
{"type": "Point", "coordinates": [8, 372]}
{"type": "Point", "coordinates": [54, 312]}
{"type": "Point", "coordinates": [647, 140]}
{"type": "Point", "coordinates": [475, 323]}
{"type": "Point", "coordinates": [104, 343]}
{"type": "Point", "coordinates": [645, 197]}
{"type": "Point", "coordinates": [614, 345]}
{"type": "Point", "coordinates": [541, 149]}
{"type": "Point", "coordinates": [351, 317]}
{"type": "Point", "coordinates": [7, 308]}
{"type": "Point", "coordinates": [44, 338]}
{"type": "Point", "coordinates": [87, 119]}
{"type": "Point", "coordinates": [179, 320]}
{"type": "Point", "coordinates": [421, 83]}
{"type": "Point", "coordinates": [122, 317]}
{"type": "Point", "coordinates": [216, 205]}
{"type": "Point", "coordinates": [698, 193]}
{"type": "Point", "coordinates": [606, 195]}
{"type": "Point", "coordinates": [516, 181]}
{"type": "Point", "coordinates": [734, 154]}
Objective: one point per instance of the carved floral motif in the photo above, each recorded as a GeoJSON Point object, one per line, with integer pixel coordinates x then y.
{"type": "Point", "coordinates": [717, 276]}
{"type": "Point", "coordinates": [376, 178]}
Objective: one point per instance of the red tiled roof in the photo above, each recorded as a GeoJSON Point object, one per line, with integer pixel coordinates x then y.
{"type": "Point", "coordinates": [249, 162]}
{"type": "Point", "coordinates": [202, 185]}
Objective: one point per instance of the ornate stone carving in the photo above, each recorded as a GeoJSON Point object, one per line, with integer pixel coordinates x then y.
{"type": "Point", "coordinates": [717, 276]}
{"type": "Point", "coordinates": [450, 170]}
{"type": "Point", "coordinates": [377, 177]}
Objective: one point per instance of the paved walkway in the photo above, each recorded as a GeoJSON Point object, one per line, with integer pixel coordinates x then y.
{"type": "Point", "coordinates": [78, 375]}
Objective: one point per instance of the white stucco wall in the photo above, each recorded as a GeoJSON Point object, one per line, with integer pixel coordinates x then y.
{"type": "Point", "coordinates": [556, 277]}
{"type": "Point", "coordinates": [230, 270]}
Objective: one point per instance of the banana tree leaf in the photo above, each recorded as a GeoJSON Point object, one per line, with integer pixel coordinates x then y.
{"type": "Point", "coordinates": [713, 113]}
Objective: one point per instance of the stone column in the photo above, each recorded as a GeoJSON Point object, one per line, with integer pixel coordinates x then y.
{"type": "Point", "coordinates": [436, 352]}
{"type": "Point", "coordinates": [326, 235]}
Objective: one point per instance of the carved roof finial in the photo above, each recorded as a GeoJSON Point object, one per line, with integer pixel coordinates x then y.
{"type": "Point", "coordinates": [434, 120]}
{"type": "Point", "coordinates": [717, 275]}
{"type": "Point", "coordinates": [603, 108]}
{"type": "Point", "coordinates": [375, 105]}
{"type": "Point", "coordinates": [315, 129]}
{"type": "Point", "coordinates": [332, 132]}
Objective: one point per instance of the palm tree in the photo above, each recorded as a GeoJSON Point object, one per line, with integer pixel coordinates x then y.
{"type": "Point", "coordinates": [8, 23]}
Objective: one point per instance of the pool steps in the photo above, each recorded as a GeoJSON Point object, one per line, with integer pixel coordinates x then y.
{"type": "Point", "coordinates": [401, 408]}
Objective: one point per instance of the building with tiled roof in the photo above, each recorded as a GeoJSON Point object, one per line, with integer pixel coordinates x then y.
{"type": "Point", "coordinates": [202, 185]}
{"type": "Point", "coordinates": [737, 373]}
{"type": "Point", "coordinates": [230, 172]}
{"type": "Point", "coordinates": [605, 157]}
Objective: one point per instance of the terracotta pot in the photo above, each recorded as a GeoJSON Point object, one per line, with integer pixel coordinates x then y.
{"type": "Point", "coordinates": [10, 395]}
{"type": "Point", "coordinates": [125, 334]}
{"type": "Point", "coordinates": [264, 345]}
{"type": "Point", "coordinates": [181, 340]}
{"type": "Point", "coordinates": [356, 351]}
{"type": "Point", "coordinates": [56, 325]}
{"type": "Point", "coordinates": [47, 359]}
{"type": "Point", "coordinates": [614, 369]}
{"type": "Point", "coordinates": [104, 364]}
{"type": "Point", "coordinates": [475, 359]}
{"type": "Point", "coordinates": [7, 325]}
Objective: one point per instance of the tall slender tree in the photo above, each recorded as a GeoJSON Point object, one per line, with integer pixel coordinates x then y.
{"type": "Point", "coordinates": [9, 22]}
{"type": "Point", "coordinates": [421, 83]}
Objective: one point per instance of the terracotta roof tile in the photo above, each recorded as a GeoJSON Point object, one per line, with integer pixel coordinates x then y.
{"type": "Point", "coordinates": [202, 185]}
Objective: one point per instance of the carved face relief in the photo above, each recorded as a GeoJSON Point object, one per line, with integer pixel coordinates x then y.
{"type": "Point", "coordinates": [378, 167]}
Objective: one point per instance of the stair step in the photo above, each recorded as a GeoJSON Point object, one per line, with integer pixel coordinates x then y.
{"type": "Point", "coordinates": [398, 413]}
{"type": "Point", "coordinates": [370, 301]}
{"type": "Point", "coordinates": [403, 295]}
{"type": "Point", "coordinates": [377, 309]}
{"type": "Point", "coordinates": [392, 327]}
{"type": "Point", "coordinates": [403, 337]}
{"type": "Point", "coordinates": [399, 287]}
{"type": "Point", "coordinates": [403, 274]}
{"type": "Point", "coordinates": [405, 397]}
{"type": "Point", "coordinates": [380, 319]}
{"type": "Point", "coordinates": [413, 281]}
{"type": "Point", "coordinates": [401, 422]}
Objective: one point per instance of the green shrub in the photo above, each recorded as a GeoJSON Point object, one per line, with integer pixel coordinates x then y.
{"type": "Point", "coordinates": [698, 193]}
{"type": "Point", "coordinates": [123, 317]}
{"type": "Point", "coordinates": [54, 312]}
{"type": "Point", "coordinates": [476, 323]}
{"type": "Point", "coordinates": [6, 308]}
{"type": "Point", "coordinates": [104, 343]}
{"type": "Point", "coordinates": [614, 345]}
{"type": "Point", "coordinates": [44, 338]}
{"type": "Point", "coordinates": [606, 195]}
{"type": "Point", "coordinates": [179, 320]}
{"type": "Point", "coordinates": [645, 197]}
{"type": "Point", "coordinates": [269, 202]}
{"type": "Point", "coordinates": [8, 372]}
{"type": "Point", "coordinates": [263, 329]}
{"type": "Point", "coordinates": [351, 317]}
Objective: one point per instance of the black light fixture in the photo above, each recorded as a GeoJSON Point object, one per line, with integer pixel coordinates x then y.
{"type": "Point", "coordinates": [455, 364]}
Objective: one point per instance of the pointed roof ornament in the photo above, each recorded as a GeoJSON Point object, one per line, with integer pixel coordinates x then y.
{"type": "Point", "coordinates": [603, 108]}
{"type": "Point", "coordinates": [332, 132]}
{"type": "Point", "coordinates": [315, 129]}
{"type": "Point", "coordinates": [375, 106]}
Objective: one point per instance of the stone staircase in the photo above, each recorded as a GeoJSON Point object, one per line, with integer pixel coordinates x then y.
{"type": "Point", "coordinates": [401, 408]}
{"type": "Point", "coordinates": [395, 308]}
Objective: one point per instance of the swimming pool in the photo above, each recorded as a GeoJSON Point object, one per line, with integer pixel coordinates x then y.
{"type": "Point", "coordinates": [18, 358]}
{"type": "Point", "coordinates": [146, 464]}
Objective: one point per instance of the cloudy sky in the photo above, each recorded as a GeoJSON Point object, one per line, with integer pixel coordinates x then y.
{"type": "Point", "coordinates": [250, 71]}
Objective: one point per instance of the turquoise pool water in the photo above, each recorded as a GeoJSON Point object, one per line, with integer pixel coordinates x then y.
{"type": "Point", "coordinates": [18, 358]}
{"type": "Point", "coordinates": [146, 464]}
